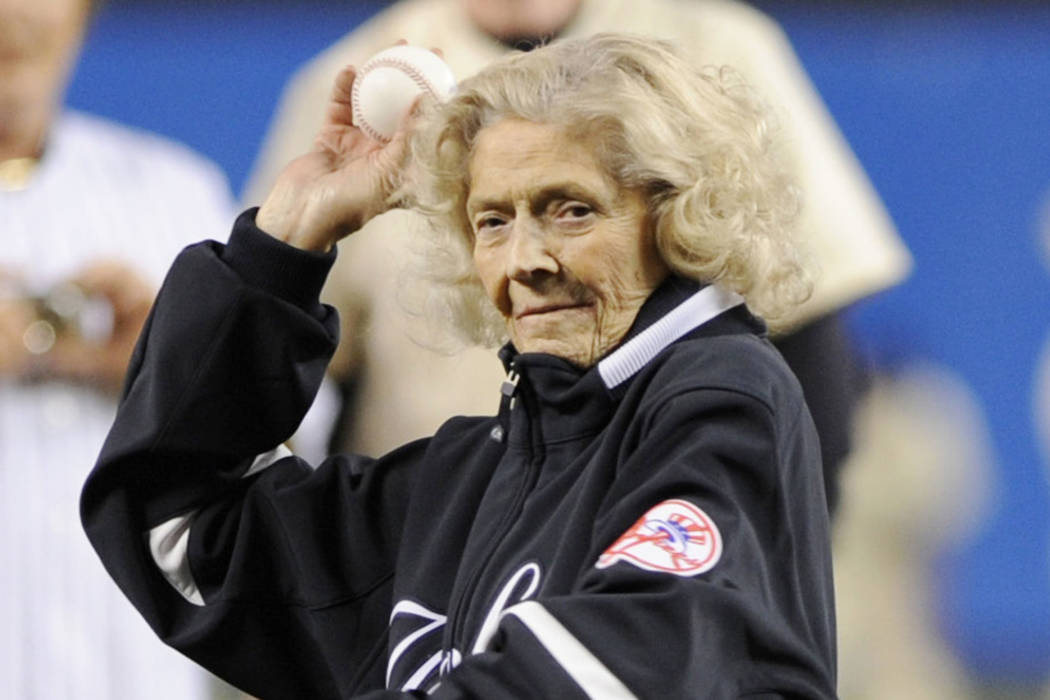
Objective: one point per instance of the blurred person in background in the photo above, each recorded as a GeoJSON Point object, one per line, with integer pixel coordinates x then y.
{"type": "Point", "coordinates": [398, 385]}
{"type": "Point", "coordinates": [92, 213]}
{"type": "Point", "coordinates": [919, 482]}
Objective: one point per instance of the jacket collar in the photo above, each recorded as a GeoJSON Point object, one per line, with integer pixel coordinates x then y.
{"type": "Point", "coordinates": [677, 307]}
{"type": "Point", "coordinates": [577, 401]}
{"type": "Point", "coordinates": [658, 326]}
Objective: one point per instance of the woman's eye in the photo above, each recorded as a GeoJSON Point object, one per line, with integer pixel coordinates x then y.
{"type": "Point", "coordinates": [574, 210]}
{"type": "Point", "coordinates": [488, 223]}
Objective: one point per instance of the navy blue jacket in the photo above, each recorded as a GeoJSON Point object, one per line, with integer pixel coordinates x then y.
{"type": "Point", "coordinates": [654, 526]}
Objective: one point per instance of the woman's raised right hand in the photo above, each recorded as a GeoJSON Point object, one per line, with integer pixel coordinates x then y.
{"type": "Point", "coordinates": [344, 181]}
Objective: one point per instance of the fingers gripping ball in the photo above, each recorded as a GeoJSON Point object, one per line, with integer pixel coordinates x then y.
{"type": "Point", "coordinates": [388, 84]}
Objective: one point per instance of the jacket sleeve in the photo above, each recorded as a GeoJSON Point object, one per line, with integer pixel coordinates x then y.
{"type": "Point", "coordinates": [222, 539]}
{"type": "Point", "coordinates": [709, 575]}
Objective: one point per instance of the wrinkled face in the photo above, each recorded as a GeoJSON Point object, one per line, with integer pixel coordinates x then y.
{"type": "Point", "coordinates": [562, 250]}
{"type": "Point", "coordinates": [39, 40]}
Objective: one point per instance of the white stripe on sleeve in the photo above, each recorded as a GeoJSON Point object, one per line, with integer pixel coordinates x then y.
{"type": "Point", "coordinates": [169, 541]}
{"type": "Point", "coordinates": [593, 677]}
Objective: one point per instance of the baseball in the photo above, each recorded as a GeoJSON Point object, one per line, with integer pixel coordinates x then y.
{"type": "Point", "coordinates": [388, 83]}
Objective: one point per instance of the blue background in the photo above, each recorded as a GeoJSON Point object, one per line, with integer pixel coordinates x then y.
{"type": "Point", "coordinates": [948, 107]}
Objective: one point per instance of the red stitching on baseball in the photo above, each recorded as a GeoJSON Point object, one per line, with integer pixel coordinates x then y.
{"type": "Point", "coordinates": [385, 62]}
{"type": "Point", "coordinates": [359, 119]}
{"type": "Point", "coordinates": [408, 68]}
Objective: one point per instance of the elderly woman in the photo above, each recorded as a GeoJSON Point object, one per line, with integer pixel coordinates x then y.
{"type": "Point", "coordinates": [643, 518]}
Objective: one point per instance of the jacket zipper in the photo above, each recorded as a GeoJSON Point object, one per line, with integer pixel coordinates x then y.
{"type": "Point", "coordinates": [458, 611]}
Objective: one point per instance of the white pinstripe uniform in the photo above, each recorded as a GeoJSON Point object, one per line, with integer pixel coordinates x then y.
{"type": "Point", "coordinates": [102, 191]}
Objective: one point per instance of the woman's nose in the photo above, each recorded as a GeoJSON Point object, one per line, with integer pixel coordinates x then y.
{"type": "Point", "coordinates": [530, 254]}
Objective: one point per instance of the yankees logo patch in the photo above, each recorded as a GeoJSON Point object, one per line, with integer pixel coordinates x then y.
{"type": "Point", "coordinates": [674, 537]}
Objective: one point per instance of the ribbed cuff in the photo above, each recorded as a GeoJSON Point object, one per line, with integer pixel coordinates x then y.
{"type": "Point", "coordinates": [283, 270]}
